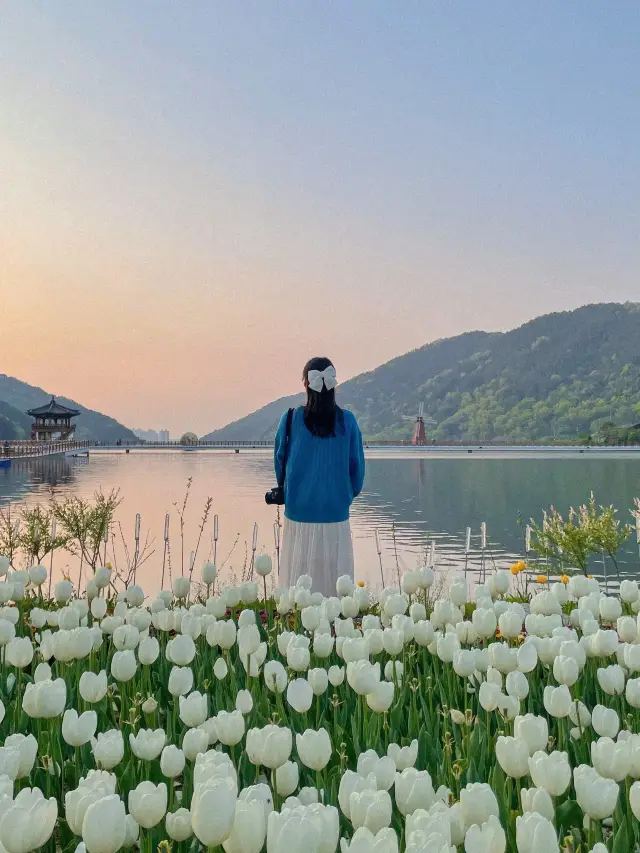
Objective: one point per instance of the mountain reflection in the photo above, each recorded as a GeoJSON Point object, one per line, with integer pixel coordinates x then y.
{"type": "Point", "coordinates": [408, 500]}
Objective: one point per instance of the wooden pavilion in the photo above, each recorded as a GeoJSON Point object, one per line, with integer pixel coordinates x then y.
{"type": "Point", "coordinates": [52, 422]}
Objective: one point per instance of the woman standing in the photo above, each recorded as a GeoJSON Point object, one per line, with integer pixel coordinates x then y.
{"type": "Point", "coordinates": [324, 473]}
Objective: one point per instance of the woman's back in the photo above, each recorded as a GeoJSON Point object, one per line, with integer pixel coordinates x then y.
{"type": "Point", "coordinates": [323, 474]}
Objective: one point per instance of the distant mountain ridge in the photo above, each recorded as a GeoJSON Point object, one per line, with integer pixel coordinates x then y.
{"type": "Point", "coordinates": [16, 397]}
{"type": "Point", "coordinates": [558, 375]}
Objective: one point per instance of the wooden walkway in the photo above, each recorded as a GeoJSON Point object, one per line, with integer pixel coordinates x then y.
{"type": "Point", "coordinates": [20, 451]}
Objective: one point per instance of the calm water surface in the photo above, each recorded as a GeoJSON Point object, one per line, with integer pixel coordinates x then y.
{"type": "Point", "coordinates": [408, 497]}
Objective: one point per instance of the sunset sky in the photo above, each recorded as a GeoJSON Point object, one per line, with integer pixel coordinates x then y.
{"type": "Point", "coordinates": [195, 197]}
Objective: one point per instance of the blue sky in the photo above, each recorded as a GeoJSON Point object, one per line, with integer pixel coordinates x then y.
{"type": "Point", "coordinates": [219, 190]}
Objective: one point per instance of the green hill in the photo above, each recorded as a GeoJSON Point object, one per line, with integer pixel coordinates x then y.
{"type": "Point", "coordinates": [16, 397]}
{"type": "Point", "coordinates": [560, 375]}
{"type": "Point", "coordinates": [14, 424]}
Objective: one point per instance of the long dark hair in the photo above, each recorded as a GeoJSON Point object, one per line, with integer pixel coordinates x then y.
{"type": "Point", "coordinates": [320, 412]}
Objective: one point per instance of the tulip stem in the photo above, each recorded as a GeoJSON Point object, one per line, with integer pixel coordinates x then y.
{"type": "Point", "coordinates": [274, 791]}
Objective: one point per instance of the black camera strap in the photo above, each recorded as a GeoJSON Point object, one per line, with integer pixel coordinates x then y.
{"type": "Point", "coordinates": [287, 442]}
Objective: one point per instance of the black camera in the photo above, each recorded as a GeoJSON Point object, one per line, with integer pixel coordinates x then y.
{"type": "Point", "coordinates": [275, 497]}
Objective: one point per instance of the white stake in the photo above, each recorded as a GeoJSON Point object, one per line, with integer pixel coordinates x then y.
{"type": "Point", "coordinates": [215, 538]}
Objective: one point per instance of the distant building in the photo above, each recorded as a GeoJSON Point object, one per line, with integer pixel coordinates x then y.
{"type": "Point", "coordinates": [163, 435]}
{"type": "Point", "coordinates": [146, 434]}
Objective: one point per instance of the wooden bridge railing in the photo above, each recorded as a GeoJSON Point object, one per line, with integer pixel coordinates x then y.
{"type": "Point", "coordinates": [20, 449]}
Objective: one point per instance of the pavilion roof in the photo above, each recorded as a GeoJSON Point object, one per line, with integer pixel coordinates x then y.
{"type": "Point", "coordinates": [53, 409]}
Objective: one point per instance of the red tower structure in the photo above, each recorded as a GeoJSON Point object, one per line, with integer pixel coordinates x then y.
{"type": "Point", "coordinates": [419, 436]}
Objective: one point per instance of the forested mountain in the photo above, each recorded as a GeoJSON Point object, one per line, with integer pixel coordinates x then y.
{"type": "Point", "coordinates": [14, 424]}
{"type": "Point", "coordinates": [16, 397]}
{"type": "Point", "coordinates": [559, 375]}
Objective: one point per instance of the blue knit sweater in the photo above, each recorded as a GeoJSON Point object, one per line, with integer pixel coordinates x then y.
{"type": "Point", "coordinates": [323, 475]}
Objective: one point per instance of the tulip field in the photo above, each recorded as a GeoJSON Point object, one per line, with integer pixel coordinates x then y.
{"type": "Point", "coordinates": [472, 722]}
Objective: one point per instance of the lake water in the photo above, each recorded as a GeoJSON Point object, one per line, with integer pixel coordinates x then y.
{"type": "Point", "coordinates": [410, 497]}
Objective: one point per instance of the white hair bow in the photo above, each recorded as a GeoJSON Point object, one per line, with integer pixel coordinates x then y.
{"type": "Point", "coordinates": [316, 378]}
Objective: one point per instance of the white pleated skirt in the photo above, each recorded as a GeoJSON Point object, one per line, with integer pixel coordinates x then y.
{"type": "Point", "coordinates": [324, 551]}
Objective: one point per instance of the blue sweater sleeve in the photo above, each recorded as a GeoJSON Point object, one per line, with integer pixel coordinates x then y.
{"type": "Point", "coordinates": [280, 442]}
{"type": "Point", "coordinates": [356, 458]}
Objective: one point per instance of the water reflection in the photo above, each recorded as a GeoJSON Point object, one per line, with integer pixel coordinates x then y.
{"type": "Point", "coordinates": [408, 500]}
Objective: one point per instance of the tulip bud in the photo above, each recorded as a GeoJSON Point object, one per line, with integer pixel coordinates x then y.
{"type": "Point", "coordinates": [78, 730]}
{"type": "Point", "coordinates": [634, 798]}
{"type": "Point", "coordinates": [537, 800]}
{"type": "Point", "coordinates": [27, 747]}
{"type": "Point", "coordinates": [513, 756]}
{"type": "Point", "coordinates": [209, 573]}
{"type": "Point", "coordinates": [403, 757]}
{"type": "Point", "coordinates": [557, 701]}
{"type": "Point", "coordinates": [597, 797]}
{"type": "Point", "coordinates": [123, 665]}
{"type": "Point", "coordinates": [336, 675]}
{"type": "Point", "coordinates": [489, 696]}
{"type": "Point", "coordinates": [244, 702]}
{"type": "Point", "coordinates": [172, 761]}
{"type": "Point", "coordinates": [63, 591]}
{"type": "Point", "coordinates": [193, 709]}
{"type": "Point", "coordinates": [533, 730]}
{"type": "Point", "coordinates": [381, 697]}
{"type": "Point", "coordinates": [478, 802]}
{"type": "Point", "coordinates": [550, 772]}
{"type": "Point", "coordinates": [92, 687]}
{"type": "Point", "coordinates": [194, 742]}
{"type": "Point", "coordinates": [213, 808]}
{"type": "Point", "coordinates": [535, 833]}
{"type": "Point", "coordinates": [230, 727]}
{"type": "Point", "coordinates": [287, 778]}
{"type": "Point", "coordinates": [108, 748]}
{"type": "Point", "coordinates": [314, 748]}
{"type": "Point", "coordinates": [19, 652]}
{"type": "Point", "coordinates": [611, 679]}
{"type": "Point", "coordinates": [220, 669]}
{"type": "Point", "coordinates": [45, 699]}
{"type": "Point", "coordinates": [249, 828]}
{"type": "Point", "coordinates": [605, 721]}
{"type": "Point", "coordinates": [104, 826]}
{"type": "Point", "coordinates": [370, 808]}
{"type": "Point", "coordinates": [319, 680]}
{"type": "Point", "coordinates": [148, 803]}
{"type": "Point", "coordinates": [178, 824]}
{"type": "Point", "coordinates": [488, 836]}
{"type": "Point", "coordinates": [413, 790]}
{"type": "Point", "coordinates": [517, 685]}
{"type": "Point", "coordinates": [300, 695]}
{"type": "Point", "coordinates": [180, 680]}
{"type": "Point", "coordinates": [149, 705]}
{"type": "Point", "coordinates": [181, 587]}
{"type": "Point", "coordinates": [611, 759]}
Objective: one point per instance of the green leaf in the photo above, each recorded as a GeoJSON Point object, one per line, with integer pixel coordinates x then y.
{"type": "Point", "coordinates": [621, 840]}
{"type": "Point", "coordinates": [568, 815]}
{"type": "Point", "coordinates": [396, 716]}
{"type": "Point", "coordinates": [498, 782]}
{"type": "Point", "coordinates": [354, 734]}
